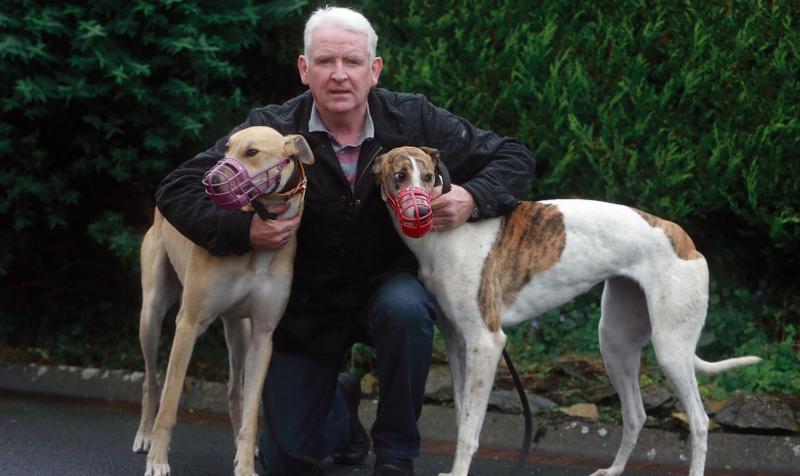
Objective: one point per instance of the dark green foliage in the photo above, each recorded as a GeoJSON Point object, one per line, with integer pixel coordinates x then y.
{"type": "Point", "coordinates": [689, 110]}
{"type": "Point", "coordinates": [100, 99]}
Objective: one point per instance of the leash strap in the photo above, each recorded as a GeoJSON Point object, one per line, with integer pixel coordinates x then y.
{"type": "Point", "coordinates": [262, 211]}
{"type": "Point", "coordinates": [526, 413]}
{"type": "Point", "coordinates": [443, 177]}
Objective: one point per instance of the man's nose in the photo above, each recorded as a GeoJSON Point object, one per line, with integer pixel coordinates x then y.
{"type": "Point", "coordinates": [339, 73]}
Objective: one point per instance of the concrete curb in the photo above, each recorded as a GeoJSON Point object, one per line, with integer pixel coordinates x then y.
{"type": "Point", "coordinates": [741, 452]}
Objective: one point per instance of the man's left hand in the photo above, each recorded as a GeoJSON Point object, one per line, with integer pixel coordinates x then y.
{"type": "Point", "coordinates": [451, 209]}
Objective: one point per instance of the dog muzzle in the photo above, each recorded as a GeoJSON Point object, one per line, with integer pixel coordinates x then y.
{"type": "Point", "coordinates": [412, 206]}
{"type": "Point", "coordinates": [231, 187]}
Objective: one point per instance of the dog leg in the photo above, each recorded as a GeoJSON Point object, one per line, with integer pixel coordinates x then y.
{"type": "Point", "coordinates": [680, 370]}
{"type": "Point", "coordinates": [674, 344]}
{"type": "Point", "coordinates": [237, 334]}
{"type": "Point", "coordinates": [187, 329]}
{"type": "Point", "coordinates": [455, 359]}
{"type": "Point", "coordinates": [160, 290]}
{"type": "Point", "coordinates": [483, 352]}
{"type": "Point", "coordinates": [624, 331]}
{"type": "Point", "coordinates": [678, 313]}
{"type": "Point", "coordinates": [259, 354]}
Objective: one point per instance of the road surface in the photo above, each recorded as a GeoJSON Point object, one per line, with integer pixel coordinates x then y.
{"type": "Point", "coordinates": [68, 436]}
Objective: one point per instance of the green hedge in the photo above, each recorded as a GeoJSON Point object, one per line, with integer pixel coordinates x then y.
{"type": "Point", "coordinates": [689, 110]}
{"type": "Point", "coordinates": [100, 99]}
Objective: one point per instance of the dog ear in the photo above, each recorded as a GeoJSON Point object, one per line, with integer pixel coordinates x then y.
{"type": "Point", "coordinates": [377, 166]}
{"type": "Point", "coordinates": [296, 145]}
{"type": "Point", "coordinates": [434, 153]}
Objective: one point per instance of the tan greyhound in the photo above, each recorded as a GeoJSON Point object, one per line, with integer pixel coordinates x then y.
{"type": "Point", "coordinates": [250, 292]}
{"type": "Point", "coordinates": [506, 270]}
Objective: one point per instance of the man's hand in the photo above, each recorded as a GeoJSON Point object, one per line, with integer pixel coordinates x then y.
{"type": "Point", "coordinates": [272, 234]}
{"type": "Point", "coordinates": [451, 209]}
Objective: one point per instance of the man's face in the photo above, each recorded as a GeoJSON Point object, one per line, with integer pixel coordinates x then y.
{"type": "Point", "coordinates": [338, 70]}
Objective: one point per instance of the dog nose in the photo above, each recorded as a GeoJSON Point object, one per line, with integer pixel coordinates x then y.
{"type": "Point", "coordinates": [419, 210]}
{"type": "Point", "coordinates": [216, 179]}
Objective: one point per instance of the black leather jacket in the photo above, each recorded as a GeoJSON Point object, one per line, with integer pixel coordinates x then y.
{"type": "Point", "coordinates": [347, 245]}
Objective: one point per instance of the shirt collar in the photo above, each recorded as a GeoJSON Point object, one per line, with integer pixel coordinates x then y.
{"type": "Point", "coordinates": [315, 124]}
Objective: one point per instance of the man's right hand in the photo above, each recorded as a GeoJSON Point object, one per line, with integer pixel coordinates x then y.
{"type": "Point", "coordinates": [272, 234]}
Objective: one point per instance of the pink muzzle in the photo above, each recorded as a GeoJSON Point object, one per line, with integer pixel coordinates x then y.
{"type": "Point", "coordinates": [231, 187]}
{"type": "Point", "coordinates": [412, 206]}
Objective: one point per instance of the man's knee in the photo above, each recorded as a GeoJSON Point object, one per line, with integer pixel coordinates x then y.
{"type": "Point", "coordinates": [402, 306]}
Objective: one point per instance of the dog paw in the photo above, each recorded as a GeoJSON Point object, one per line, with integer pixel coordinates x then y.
{"type": "Point", "coordinates": [161, 469]}
{"type": "Point", "coordinates": [606, 472]}
{"type": "Point", "coordinates": [244, 471]}
{"type": "Point", "coordinates": [141, 444]}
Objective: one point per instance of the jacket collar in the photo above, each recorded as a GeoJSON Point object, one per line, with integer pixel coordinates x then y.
{"type": "Point", "coordinates": [380, 111]}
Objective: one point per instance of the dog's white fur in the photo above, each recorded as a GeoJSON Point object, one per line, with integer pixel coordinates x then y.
{"type": "Point", "coordinates": [250, 292]}
{"type": "Point", "coordinates": [650, 294]}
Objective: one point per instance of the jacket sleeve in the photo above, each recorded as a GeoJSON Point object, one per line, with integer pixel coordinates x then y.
{"type": "Point", "coordinates": [494, 169]}
{"type": "Point", "coordinates": [182, 199]}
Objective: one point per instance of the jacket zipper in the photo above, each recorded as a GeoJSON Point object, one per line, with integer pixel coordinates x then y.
{"type": "Point", "coordinates": [367, 166]}
{"type": "Point", "coordinates": [352, 200]}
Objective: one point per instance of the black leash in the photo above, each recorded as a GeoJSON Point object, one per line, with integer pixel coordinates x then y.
{"type": "Point", "coordinates": [526, 413]}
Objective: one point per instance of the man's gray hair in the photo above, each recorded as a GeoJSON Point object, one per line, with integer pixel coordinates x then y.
{"type": "Point", "coordinates": [346, 18]}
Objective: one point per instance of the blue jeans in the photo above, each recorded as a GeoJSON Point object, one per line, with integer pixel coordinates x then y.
{"type": "Point", "coordinates": [309, 410]}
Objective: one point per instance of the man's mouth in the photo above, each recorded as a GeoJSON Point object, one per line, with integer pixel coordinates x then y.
{"type": "Point", "coordinates": [339, 92]}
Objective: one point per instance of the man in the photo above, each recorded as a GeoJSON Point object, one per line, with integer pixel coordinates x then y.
{"type": "Point", "coordinates": [354, 279]}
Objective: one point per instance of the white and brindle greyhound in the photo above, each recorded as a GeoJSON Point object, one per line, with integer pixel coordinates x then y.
{"type": "Point", "coordinates": [503, 271]}
{"type": "Point", "coordinates": [250, 292]}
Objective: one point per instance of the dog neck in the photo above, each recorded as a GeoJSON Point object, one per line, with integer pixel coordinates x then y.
{"type": "Point", "coordinates": [423, 247]}
{"type": "Point", "coordinates": [295, 205]}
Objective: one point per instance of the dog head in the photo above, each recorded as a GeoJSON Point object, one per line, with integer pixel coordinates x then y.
{"type": "Point", "coordinates": [407, 176]}
{"type": "Point", "coordinates": [259, 163]}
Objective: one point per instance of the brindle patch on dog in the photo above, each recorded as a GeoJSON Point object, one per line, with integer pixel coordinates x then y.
{"type": "Point", "coordinates": [531, 240]}
{"type": "Point", "coordinates": [681, 241]}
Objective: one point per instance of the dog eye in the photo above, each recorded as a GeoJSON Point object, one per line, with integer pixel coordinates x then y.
{"type": "Point", "coordinates": [400, 176]}
{"type": "Point", "coordinates": [251, 152]}
{"type": "Point", "coordinates": [427, 177]}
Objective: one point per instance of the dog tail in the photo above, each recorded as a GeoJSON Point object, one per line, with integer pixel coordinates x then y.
{"type": "Point", "coordinates": [714, 368]}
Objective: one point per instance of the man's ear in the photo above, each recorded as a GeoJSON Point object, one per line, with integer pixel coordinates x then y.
{"type": "Point", "coordinates": [302, 69]}
{"type": "Point", "coordinates": [296, 145]}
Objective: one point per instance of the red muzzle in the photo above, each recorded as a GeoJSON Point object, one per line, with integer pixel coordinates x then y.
{"type": "Point", "coordinates": [412, 206]}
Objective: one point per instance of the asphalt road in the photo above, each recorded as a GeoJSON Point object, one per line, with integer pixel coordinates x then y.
{"type": "Point", "coordinates": [67, 436]}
